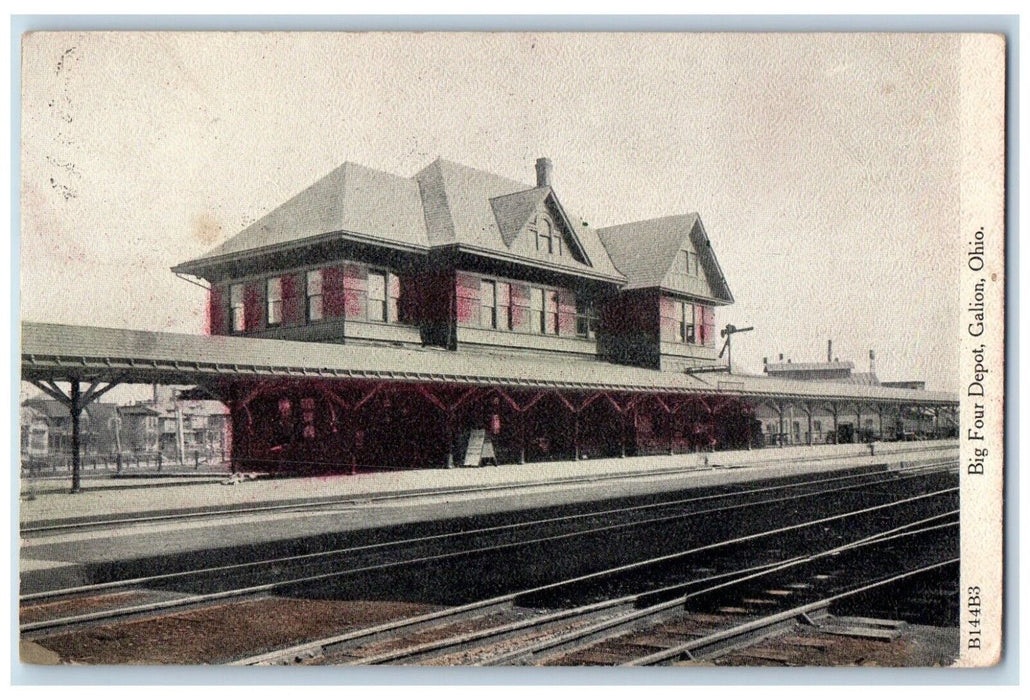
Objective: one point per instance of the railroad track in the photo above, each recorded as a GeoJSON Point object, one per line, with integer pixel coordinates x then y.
{"type": "Point", "coordinates": [484, 625]}
{"type": "Point", "coordinates": [303, 505]}
{"type": "Point", "coordinates": [272, 575]}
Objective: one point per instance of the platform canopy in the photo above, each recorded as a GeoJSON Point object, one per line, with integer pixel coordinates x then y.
{"type": "Point", "coordinates": [59, 353]}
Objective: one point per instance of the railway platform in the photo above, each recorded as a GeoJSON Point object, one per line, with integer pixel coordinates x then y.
{"type": "Point", "coordinates": [67, 536]}
{"type": "Point", "coordinates": [50, 503]}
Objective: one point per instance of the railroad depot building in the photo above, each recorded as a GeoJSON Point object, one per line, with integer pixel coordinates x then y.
{"type": "Point", "coordinates": [456, 316]}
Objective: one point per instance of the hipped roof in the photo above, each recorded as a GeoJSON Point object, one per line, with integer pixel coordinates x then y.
{"type": "Point", "coordinates": [444, 204]}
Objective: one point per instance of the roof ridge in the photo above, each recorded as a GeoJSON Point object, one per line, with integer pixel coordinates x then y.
{"type": "Point", "coordinates": [653, 219]}
{"type": "Point", "coordinates": [447, 161]}
{"type": "Point", "coordinates": [446, 218]}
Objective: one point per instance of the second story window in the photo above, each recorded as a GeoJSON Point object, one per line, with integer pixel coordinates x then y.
{"type": "Point", "coordinates": [495, 305]}
{"type": "Point", "coordinates": [384, 293]}
{"type": "Point", "coordinates": [236, 308]}
{"type": "Point", "coordinates": [274, 297]}
{"type": "Point", "coordinates": [685, 313]}
{"type": "Point", "coordinates": [536, 309]}
{"type": "Point", "coordinates": [543, 310]}
{"type": "Point", "coordinates": [314, 295]}
{"type": "Point", "coordinates": [488, 304]}
{"type": "Point", "coordinates": [586, 319]}
{"type": "Point", "coordinates": [376, 296]}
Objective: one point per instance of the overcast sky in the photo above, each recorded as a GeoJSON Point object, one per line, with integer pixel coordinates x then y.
{"type": "Point", "coordinates": [824, 167]}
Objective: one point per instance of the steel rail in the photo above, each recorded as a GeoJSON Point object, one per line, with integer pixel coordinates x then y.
{"type": "Point", "coordinates": [718, 639]}
{"type": "Point", "coordinates": [606, 629]}
{"type": "Point", "coordinates": [870, 479]}
{"type": "Point", "coordinates": [250, 591]}
{"type": "Point", "coordinates": [454, 644]}
{"type": "Point", "coordinates": [495, 634]}
{"type": "Point", "coordinates": [451, 614]}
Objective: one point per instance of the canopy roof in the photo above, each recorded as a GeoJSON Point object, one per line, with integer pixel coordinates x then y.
{"type": "Point", "coordinates": [60, 352]}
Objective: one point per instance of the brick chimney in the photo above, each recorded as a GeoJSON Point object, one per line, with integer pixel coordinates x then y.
{"type": "Point", "coordinates": [543, 172]}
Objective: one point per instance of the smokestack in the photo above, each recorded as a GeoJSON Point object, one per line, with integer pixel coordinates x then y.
{"type": "Point", "coordinates": [543, 172]}
{"type": "Point", "coordinates": [872, 362]}
{"type": "Point", "coordinates": [765, 364]}
{"type": "Point", "coordinates": [781, 357]}
{"type": "Point", "coordinates": [829, 351]}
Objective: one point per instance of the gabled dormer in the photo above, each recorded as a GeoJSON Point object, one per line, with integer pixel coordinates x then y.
{"type": "Point", "coordinates": [695, 270]}
{"type": "Point", "coordinates": [673, 254]}
{"type": "Point", "coordinates": [534, 224]}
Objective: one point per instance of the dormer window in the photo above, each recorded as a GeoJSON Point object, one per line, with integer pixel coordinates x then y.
{"type": "Point", "coordinates": [687, 264]}
{"type": "Point", "coordinates": [548, 237]}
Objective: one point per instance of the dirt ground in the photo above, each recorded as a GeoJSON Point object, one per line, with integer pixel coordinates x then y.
{"type": "Point", "coordinates": [221, 633]}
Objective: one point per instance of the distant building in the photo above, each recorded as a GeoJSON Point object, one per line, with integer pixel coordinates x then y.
{"type": "Point", "coordinates": [139, 428]}
{"type": "Point", "coordinates": [35, 432]}
{"type": "Point", "coordinates": [843, 421]}
{"type": "Point", "coordinates": [179, 430]}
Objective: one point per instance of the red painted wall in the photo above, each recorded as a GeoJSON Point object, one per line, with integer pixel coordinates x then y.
{"type": "Point", "coordinates": [294, 299]}
{"type": "Point", "coordinates": [709, 326]}
{"type": "Point", "coordinates": [355, 291]}
{"type": "Point", "coordinates": [217, 311]}
{"type": "Point", "coordinates": [254, 305]}
{"type": "Point", "coordinates": [333, 292]}
{"type": "Point", "coordinates": [520, 307]}
{"type": "Point", "coordinates": [566, 312]}
{"type": "Point", "coordinates": [467, 290]}
{"type": "Point", "coordinates": [630, 325]}
{"type": "Point", "coordinates": [669, 319]}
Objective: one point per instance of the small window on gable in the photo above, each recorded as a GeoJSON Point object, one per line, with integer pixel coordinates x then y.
{"type": "Point", "coordinates": [687, 264]}
{"type": "Point", "coordinates": [548, 236]}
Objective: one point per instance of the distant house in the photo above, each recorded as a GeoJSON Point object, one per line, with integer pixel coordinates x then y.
{"type": "Point", "coordinates": [35, 432]}
{"type": "Point", "coordinates": [108, 429]}
{"type": "Point", "coordinates": [139, 428]}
